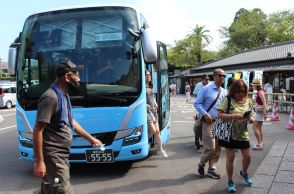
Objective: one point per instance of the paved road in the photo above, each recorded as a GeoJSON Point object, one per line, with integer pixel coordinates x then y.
{"type": "Point", "coordinates": [176, 174]}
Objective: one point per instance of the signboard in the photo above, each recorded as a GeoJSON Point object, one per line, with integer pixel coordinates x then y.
{"type": "Point", "coordinates": [245, 77]}
{"type": "Point", "coordinates": [108, 36]}
{"type": "Point", "coordinates": [237, 76]}
{"type": "Point", "coordinates": [258, 75]}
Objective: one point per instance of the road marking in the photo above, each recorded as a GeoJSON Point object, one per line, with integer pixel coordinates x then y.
{"type": "Point", "coordinates": [8, 115]}
{"type": "Point", "coordinates": [186, 111]}
{"type": "Point", "coordinates": [7, 127]}
{"type": "Point", "coordinates": [7, 110]}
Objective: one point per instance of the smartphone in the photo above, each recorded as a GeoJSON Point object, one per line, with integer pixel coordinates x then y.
{"type": "Point", "coordinates": [247, 113]}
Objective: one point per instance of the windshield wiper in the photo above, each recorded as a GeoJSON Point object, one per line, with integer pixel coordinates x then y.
{"type": "Point", "coordinates": [105, 96]}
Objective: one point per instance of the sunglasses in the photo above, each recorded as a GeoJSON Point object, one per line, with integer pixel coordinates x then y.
{"type": "Point", "coordinates": [221, 75]}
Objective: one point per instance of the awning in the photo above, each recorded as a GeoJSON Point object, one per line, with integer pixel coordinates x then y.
{"type": "Point", "coordinates": [265, 69]}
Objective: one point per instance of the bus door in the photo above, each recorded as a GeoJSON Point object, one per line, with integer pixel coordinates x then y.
{"type": "Point", "coordinates": [163, 97]}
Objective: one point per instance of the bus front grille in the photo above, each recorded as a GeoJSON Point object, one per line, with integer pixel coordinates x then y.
{"type": "Point", "coordinates": [106, 138]}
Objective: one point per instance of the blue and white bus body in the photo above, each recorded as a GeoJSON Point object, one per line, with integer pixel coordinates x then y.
{"type": "Point", "coordinates": [122, 128]}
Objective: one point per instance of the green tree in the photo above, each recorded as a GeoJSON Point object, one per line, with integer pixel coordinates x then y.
{"type": "Point", "coordinates": [208, 56]}
{"type": "Point", "coordinates": [280, 27]}
{"type": "Point", "coordinates": [180, 55]}
{"type": "Point", "coordinates": [247, 30]}
{"type": "Point", "coordinates": [199, 40]}
{"type": "Point", "coordinates": [188, 51]}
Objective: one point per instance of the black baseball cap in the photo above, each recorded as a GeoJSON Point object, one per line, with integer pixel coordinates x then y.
{"type": "Point", "coordinates": [64, 67]}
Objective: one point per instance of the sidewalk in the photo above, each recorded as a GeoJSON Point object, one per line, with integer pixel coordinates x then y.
{"type": "Point", "coordinates": [275, 174]}
{"type": "Point", "coordinates": [272, 167]}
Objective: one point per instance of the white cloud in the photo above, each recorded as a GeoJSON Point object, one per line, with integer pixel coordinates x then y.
{"type": "Point", "coordinates": [166, 19]}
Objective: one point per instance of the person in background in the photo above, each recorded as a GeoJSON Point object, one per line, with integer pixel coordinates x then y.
{"type": "Point", "coordinates": [172, 86]}
{"type": "Point", "coordinates": [197, 130]}
{"type": "Point", "coordinates": [175, 90]}
{"type": "Point", "coordinates": [188, 92]}
{"type": "Point", "coordinates": [199, 85]}
{"type": "Point", "coordinates": [170, 90]}
{"type": "Point", "coordinates": [209, 95]}
{"type": "Point", "coordinates": [152, 116]}
{"type": "Point", "coordinates": [260, 114]}
{"type": "Point", "coordinates": [53, 131]}
{"type": "Point", "coordinates": [239, 104]}
{"type": "Point", "coordinates": [268, 88]}
{"type": "Point", "coordinates": [230, 81]}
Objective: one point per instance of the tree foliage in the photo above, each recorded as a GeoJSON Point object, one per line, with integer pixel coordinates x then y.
{"type": "Point", "coordinates": [280, 27]}
{"type": "Point", "coordinates": [189, 51]}
{"type": "Point", "coordinates": [253, 29]}
{"type": "Point", "coordinates": [249, 29]}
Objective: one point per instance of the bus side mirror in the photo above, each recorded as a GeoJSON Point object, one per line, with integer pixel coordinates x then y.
{"type": "Point", "coordinates": [149, 46]}
{"type": "Point", "coordinates": [12, 53]}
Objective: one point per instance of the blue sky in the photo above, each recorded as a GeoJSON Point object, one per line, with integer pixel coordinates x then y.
{"type": "Point", "coordinates": [170, 19]}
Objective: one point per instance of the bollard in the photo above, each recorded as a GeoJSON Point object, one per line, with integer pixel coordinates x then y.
{"type": "Point", "coordinates": [275, 110]}
{"type": "Point", "coordinates": [290, 124]}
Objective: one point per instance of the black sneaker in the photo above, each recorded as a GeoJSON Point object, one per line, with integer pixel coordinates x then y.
{"type": "Point", "coordinates": [201, 170]}
{"type": "Point", "coordinates": [213, 174]}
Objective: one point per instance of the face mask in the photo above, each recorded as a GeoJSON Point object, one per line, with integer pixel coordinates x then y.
{"type": "Point", "coordinates": [72, 84]}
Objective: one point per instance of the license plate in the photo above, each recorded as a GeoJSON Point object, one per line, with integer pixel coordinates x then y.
{"type": "Point", "coordinates": [99, 156]}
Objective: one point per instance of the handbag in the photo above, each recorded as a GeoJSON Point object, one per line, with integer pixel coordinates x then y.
{"type": "Point", "coordinates": [222, 129]}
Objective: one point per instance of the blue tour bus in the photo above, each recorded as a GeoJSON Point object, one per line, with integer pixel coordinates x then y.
{"type": "Point", "coordinates": [112, 46]}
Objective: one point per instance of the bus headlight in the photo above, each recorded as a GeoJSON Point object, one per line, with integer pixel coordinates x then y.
{"type": "Point", "coordinates": [131, 136]}
{"type": "Point", "coordinates": [25, 138]}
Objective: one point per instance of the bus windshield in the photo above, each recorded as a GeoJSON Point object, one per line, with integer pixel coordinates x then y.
{"type": "Point", "coordinates": [97, 41]}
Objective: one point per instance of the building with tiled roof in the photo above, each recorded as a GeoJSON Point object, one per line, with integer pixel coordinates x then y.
{"type": "Point", "coordinates": [279, 56]}
{"type": "Point", "coordinates": [276, 62]}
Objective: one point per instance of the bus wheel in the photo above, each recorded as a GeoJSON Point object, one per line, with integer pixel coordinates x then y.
{"type": "Point", "coordinates": [8, 104]}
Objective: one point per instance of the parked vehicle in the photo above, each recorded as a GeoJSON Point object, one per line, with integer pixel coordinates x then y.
{"type": "Point", "coordinates": [7, 95]}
